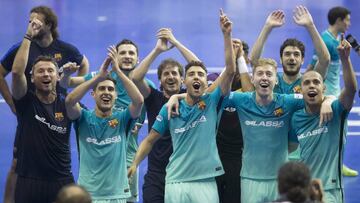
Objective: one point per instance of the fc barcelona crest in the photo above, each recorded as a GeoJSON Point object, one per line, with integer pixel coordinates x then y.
{"type": "Point", "coordinates": [113, 123]}
{"type": "Point", "coordinates": [201, 105]}
{"type": "Point", "coordinates": [59, 116]}
{"type": "Point", "coordinates": [279, 112]}
{"type": "Point", "coordinates": [57, 57]}
{"type": "Point", "coordinates": [297, 89]}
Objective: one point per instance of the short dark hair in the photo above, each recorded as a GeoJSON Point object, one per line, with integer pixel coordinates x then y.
{"type": "Point", "coordinates": [65, 195]}
{"type": "Point", "coordinates": [294, 181]}
{"type": "Point", "coordinates": [294, 43]}
{"type": "Point", "coordinates": [337, 12]}
{"type": "Point", "coordinates": [44, 58]}
{"type": "Point", "coordinates": [107, 78]}
{"type": "Point", "coordinates": [195, 63]}
{"type": "Point", "coordinates": [169, 62]}
{"type": "Point", "coordinates": [50, 18]}
{"type": "Point", "coordinates": [127, 41]}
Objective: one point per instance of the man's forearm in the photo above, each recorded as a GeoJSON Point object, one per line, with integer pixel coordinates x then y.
{"type": "Point", "coordinates": [75, 96]}
{"type": "Point", "coordinates": [131, 89]}
{"type": "Point", "coordinates": [6, 94]}
{"type": "Point", "coordinates": [259, 44]}
{"type": "Point", "coordinates": [187, 54]}
{"type": "Point", "coordinates": [139, 73]}
{"type": "Point", "coordinates": [350, 82]}
{"type": "Point", "coordinates": [84, 67]}
{"type": "Point", "coordinates": [321, 50]}
{"type": "Point", "coordinates": [143, 150]}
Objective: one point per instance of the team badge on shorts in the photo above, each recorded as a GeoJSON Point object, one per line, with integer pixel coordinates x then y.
{"type": "Point", "coordinates": [113, 123]}
{"type": "Point", "coordinates": [201, 105]}
{"type": "Point", "coordinates": [59, 116]}
{"type": "Point", "coordinates": [279, 112]}
{"type": "Point", "coordinates": [58, 57]}
{"type": "Point", "coordinates": [297, 89]}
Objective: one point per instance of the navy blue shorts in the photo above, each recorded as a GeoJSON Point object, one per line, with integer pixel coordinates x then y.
{"type": "Point", "coordinates": [154, 187]}
{"type": "Point", "coordinates": [30, 190]}
{"type": "Point", "coordinates": [228, 184]}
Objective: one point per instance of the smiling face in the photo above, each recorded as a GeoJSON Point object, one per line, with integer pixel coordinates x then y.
{"type": "Point", "coordinates": [128, 57]}
{"type": "Point", "coordinates": [44, 75]}
{"type": "Point", "coordinates": [105, 95]}
{"type": "Point", "coordinates": [264, 79]}
{"type": "Point", "coordinates": [195, 81]}
{"type": "Point", "coordinates": [291, 60]}
{"type": "Point", "coordinates": [312, 88]}
{"type": "Point", "coordinates": [170, 80]}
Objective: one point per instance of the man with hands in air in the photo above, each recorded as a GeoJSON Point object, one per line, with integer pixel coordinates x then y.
{"type": "Point", "coordinates": [193, 164]}
{"type": "Point", "coordinates": [103, 133]}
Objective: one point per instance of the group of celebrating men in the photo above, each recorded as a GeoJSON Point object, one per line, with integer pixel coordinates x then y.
{"type": "Point", "coordinates": [222, 143]}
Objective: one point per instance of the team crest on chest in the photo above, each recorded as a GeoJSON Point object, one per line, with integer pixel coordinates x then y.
{"type": "Point", "coordinates": [297, 89]}
{"type": "Point", "coordinates": [113, 123]}
{"type": "Point", "coordinates": [201, 105]}
{"type": "Point", "coordinates": [58, 57]}
{"type": "Point", "coordinates": [59, 116]}
{"type": "Point", "coordinates": [278, 112]}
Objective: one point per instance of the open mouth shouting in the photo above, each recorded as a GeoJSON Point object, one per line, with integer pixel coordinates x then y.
{"type": "Point", "coordinates": [47, 82]}
{"type": "Point", "coordinates": [264, 84]}
{"type": "Point", "coordinates": [196, 85]}
{"type": "Point", "coordinates": [312, 93]}
{"type": "Point", "coordinates": [106, 99]}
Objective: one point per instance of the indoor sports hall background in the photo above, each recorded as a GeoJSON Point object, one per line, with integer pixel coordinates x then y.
{"type": "Point", "coordinates": [93, 25]}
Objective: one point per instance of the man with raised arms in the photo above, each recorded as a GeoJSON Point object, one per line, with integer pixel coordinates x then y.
{"type": "Point", "coordinates": [322, 146]}
{"type": "Point", "coordinates": [170, 74]}
{"type": "Point", "coordinates": [339, 22]}
{"type": "Point", "coordinates": [102, 133]}
{"type": "Point", "coordinates": [292, 53]}
{"type": "Point", "coordinates": [127, 58]}
{"type": "Point", "coordinates": [193, 165]}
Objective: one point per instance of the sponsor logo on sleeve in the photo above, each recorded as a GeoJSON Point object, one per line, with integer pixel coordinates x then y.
{"type": "Point", "coordinates": [159, 118]}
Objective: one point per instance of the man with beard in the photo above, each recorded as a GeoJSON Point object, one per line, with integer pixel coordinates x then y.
{"type": "Point", "coordinates": [193, 164]}
{"type": "Point", "coordinates": [42, 36]}
{"type": "Point", "coordinates": [339, 22]}
{"type": "Point", "coordinates": [43, 161]}
{"type": "Point", "coordinates": [127, 58]}
{"type": "Point", "coordinates": [292, 53]}
{"type": "Point", "coordinates": [170, 73]}
{"type": "Point", "coordinates": [322, 146]}
{"type": "Point", "coordinates": [103, 131]}
{"type": "Point", "coordinates": [45, 42]}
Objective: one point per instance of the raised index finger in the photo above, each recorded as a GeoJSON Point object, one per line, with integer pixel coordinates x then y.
{"type": "Point", "coordinates": [221, 12]}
